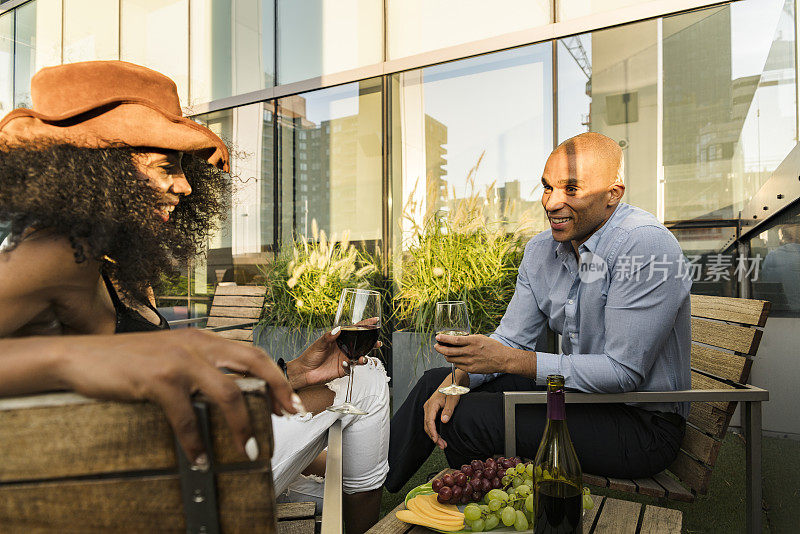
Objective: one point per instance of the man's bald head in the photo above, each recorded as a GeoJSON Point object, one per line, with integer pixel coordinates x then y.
{"type": "Point", "coordinates": [583, 185]}
{"type": "Point", "coordinates": [591, 150]}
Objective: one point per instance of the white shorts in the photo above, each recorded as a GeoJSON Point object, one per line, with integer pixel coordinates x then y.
{"type": "Point", "coordinates": [365, 439]}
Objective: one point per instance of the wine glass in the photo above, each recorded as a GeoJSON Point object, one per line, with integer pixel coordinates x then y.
{"type": "Point", "coordinates": [359, 317]}
{"type": "Point", "coordinates": [452, 319]}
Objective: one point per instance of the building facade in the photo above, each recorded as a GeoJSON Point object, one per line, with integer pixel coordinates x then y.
{"type": "Point", "coordinates": [339, 112]}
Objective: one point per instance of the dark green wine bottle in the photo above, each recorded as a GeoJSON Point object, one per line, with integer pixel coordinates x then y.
{"type": "Point", "coordinates": [557, 473]}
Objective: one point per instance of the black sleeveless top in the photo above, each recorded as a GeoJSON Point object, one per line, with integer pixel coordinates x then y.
{"type": "Point", "coordinates": [128, 319]}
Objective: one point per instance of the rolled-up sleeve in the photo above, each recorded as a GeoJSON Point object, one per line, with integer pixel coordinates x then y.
{"type": "Point", "coordinates": [648, 288]}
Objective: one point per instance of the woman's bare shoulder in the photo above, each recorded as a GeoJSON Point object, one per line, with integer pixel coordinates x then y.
{"type": "Point", "coordinates": [44, 260]}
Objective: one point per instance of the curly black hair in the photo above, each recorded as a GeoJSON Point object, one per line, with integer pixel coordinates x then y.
{"type": "Point", "coordinates": [100, 201]}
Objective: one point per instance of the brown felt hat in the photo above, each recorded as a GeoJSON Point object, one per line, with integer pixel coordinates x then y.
{"type": "Point", "coordinates": [99, 104]}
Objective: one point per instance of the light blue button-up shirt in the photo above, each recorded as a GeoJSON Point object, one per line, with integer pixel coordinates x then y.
{"type": "Point", "coordinates": [624, 321]}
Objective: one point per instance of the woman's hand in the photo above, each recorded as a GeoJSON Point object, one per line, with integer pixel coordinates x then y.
{"type": "Point", "coordinates": [167, 368]}
{"type": "Point", "coordinates": [321, 362]}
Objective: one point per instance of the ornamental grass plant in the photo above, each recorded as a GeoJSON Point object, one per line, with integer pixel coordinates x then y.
{"type": "Point", "coordinates": [469, 251]}
{"type": "Point", "coordinates": [305, 280]}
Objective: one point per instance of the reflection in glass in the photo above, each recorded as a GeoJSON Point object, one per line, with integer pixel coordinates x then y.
{"type": "Point", "coordinates": [725, 111]}
{"type": "Point", "coordinates": [330, 162]}
{"type": "Point", "coordinates": [6, 62]}
{"type": "Point", "coordinates": [712, 272]}
{"type": "Point", "coordinates": [155, 33]}
{"type": "Point", "coordinates": [729, 105]}
{"type": "Point", "coordinates": [317, 37]}
{"type": "Point", "coordinates": [38, 44]}
{"type": "Point", "coordinates": [494, 109]}
{"type": "Point", "coordinates": [416, 26]}
{"type": "Point", "coordinates": [91, 30]}
{"type": "Point", "coordinates": [232, 47]}
{"type": "Point", "coordinates": [245, 237]}
{"type": "Point", "coordinates": [779, 280]}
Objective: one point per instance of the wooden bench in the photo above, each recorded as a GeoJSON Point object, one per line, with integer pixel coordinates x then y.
{"type": "Point", "coordinates": [235, 310]}
{"type": "Point", "coordinates": [609, 516]}
{"type": "Point", "coordinates": [725, 336]}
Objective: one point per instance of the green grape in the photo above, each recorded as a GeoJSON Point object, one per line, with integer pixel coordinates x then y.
{"type": "Point", "coordinates": [478, 525]}
{"type": "Point", "coordinates": [588, 503]}
{"type": "Point", "coordinates": [484, 509]}
{"type": "Point", "coordinates": [495, 504]}
{"type": "Point", "coordinates": [506, 480]}
{"type": "Point", "coordinates": [529, 470]}
{"type": "Point", "coordinates": [508, 516]}
{"type": "Point", "coordinates": [524, 490]}
{"type": "Point", "coordinates": [472, 512]}
{"type": "Point", "coordinates": [529, 503]}
{"type": "Point", "coordinates": [521, 522]}
{"type": "Point", "coordinates": [528, 516]}
{"type": "Point", "coordinates": [491, 522]}
{"type": "Point", "coordinates": [511, 471]}
{"type": "Point", "coordinates": [528, 482]}
{"type": "Point", "coordinates": [537, 470]}
{"type": "Point", "coordinates": [518, 480]}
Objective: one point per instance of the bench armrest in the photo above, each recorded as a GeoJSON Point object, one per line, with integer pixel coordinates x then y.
{"type": "Point", "coordinates": [742, 393]}
{"type": "Point", "coordinates": [332, 499]}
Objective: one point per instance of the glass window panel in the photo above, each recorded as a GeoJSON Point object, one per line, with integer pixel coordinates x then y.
{"type": "Point", "coordinates": [91, 30]}
{"type": "Point", "coordinates": [494, 109]}
{"type": "Point", "coordinates": [317, 37]}
{"type": "Point", "coordinates": [729, 105]}
{"type": "Point", "coordinates": [711, 271]}
{"type": "Point", "coordinates": [726, 113]}
{"type": "Point", "coordinates": [232, 47]}
{"type": "Point", "coordinates": [155, 33]}
{"type": "Point", "coordinates": [38, 40]}
{"type": "Point", "coordinates": [246, 236]}
{"type": "Point", "coordinates": [330, 162]}
{"type": "Point", "coordinates": [6, 62]}
{"type": "Point", "coordinates": [416, 26]}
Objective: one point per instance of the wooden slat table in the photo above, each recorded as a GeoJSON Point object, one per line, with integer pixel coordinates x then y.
{"type": "Point", "coordinates": [609, 515]}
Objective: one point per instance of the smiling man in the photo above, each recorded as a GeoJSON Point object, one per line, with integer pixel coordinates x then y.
{"type": "Point", "coordinates": [611, 280]}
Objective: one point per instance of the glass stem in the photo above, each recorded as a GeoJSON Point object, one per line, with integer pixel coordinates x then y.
{"type": "Point", "coordinates": [350, 384]}
{"type": "Point", "coordinates": [453, 367]}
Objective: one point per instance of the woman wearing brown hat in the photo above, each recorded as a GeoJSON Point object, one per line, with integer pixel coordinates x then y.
{"type": "Point", "coordinates": [106, 188]}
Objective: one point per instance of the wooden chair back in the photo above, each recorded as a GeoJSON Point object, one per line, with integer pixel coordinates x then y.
{"type": "Point", "coordinates": [234, 304]}
{"type": "Point", "coordinates": [726, 333]}
{"type": "Point", "coordinates": [72, 464]}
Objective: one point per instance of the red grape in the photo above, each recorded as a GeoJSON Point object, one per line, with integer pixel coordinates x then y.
{"type": "Point", "coordinates": [500, 460]}
{"type": "Point", "coordinates": [489, 463]}
{"type": "Point", "coordinates": [453, 500]}
{"type": "Point", "coordinates": [478, 474]}
{"type": "Point", "coordinates": [496, 484]}
{"type": "Point", "coordinates": [460, 479]}
{"type": "Point", "coordinates": [489, 473]}
{"type": "Point", "coordinates": [507, 463]}
{"type": "Point", "coordinates": [468, 488]}
{"type": "Point", "coordinates": [447, 480]}
{"type": "Point", "coordinates": [436, 485]}
{"type": "Point", "coordinates": [476, 496]}
{"type": "Point", "coordinates": [445, 493]}
{"type": "Point", "coordinates": [457, 492]}
{"type": "Point", "coordinates": [517, 460]}
{"type": "Point", "coordinates": [476, 464]}
{"type": "Point", "coordinates": [464, 499]}
{"type": "Point", "coordinates": [501, 473]}
{"type": "Point", "coordinates": [486, 485]}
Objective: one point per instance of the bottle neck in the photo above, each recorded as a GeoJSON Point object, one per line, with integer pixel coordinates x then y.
{"type": "Point", "coordinates": [555, 405]}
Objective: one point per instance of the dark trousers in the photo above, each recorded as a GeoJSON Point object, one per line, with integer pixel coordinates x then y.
{"type": "Point", "coordinates": [613, 440]}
